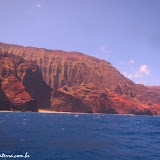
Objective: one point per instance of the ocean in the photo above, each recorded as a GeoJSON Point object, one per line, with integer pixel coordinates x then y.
{"type": "Point", "coordinates": [64, 136]}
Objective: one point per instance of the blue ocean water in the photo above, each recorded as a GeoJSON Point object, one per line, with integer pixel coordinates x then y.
{"type": "Point", "coordinates": [61, 136]}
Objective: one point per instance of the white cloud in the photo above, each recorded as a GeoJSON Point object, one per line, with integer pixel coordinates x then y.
{"type": "Point", "coordinates": [125, 74]}
{"type": "Point", "coordinates": [39, 5]}
{"type": "Point", "coordinates": [130, 75]}
{"type": "Point", "coordinates": [105, 50]}
{"type": "Point", "coordinates": [137, 75]}
{"type": "Point", "coordinates": [144, 69]}
{"type": "Point", "coordinates": [104, 53]}
{"type": "Point", "coordinates": [102, 49]}
{"type": "Point", "coordinates": [142, 82]}
{"type": "Point", "coordinates": [131, 61]}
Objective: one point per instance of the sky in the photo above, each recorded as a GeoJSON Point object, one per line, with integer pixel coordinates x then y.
{"type": "Point", "coordinates": [125, 33]}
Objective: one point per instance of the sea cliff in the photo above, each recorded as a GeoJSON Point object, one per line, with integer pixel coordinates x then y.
{"type": "Point", "coordinates": [75, 82]}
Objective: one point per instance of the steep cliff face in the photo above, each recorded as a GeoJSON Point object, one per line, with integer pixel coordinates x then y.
{"type": "Point", "coordinates": [61, 68]}
{"type": "Point", "coordinates": [32, 79]}
{"type": "Point", "coordinates": [15, 91]}
{"type": "Point", "coordinates": [64, 102]}
{"type": "Point", "coordinates": [86, 84]}
{"type": "Point", "coordinates": [154, 88]}
{"type": "Point", "coordinates": [4, 101]}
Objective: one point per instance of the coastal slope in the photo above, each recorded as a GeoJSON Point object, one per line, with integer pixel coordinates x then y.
{"type": "Point", "coordinates": [81, 83]}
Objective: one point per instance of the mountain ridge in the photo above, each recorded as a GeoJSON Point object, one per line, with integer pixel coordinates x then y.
{"type": "Point", "coordinates": [88, 82]}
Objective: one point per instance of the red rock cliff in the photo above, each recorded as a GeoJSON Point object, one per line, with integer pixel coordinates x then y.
{"type": "Point", "coordinates": [18, 90]}
{"type": "Point", "coordinates": [86, 84]}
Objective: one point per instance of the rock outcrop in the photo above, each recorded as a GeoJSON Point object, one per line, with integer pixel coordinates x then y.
{"type": "Point", "coordinates": [83, 83]}
{"type": "Point", "coordinates": [64, 102]}
{"type": "Point", "coordinates": [17, 77]}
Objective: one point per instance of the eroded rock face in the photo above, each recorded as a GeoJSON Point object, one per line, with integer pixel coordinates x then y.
{"type": "Point", "coordinates": [103, 104]}
{"type": "Point", "coordinates": [4, 101]}
{"type": "Point", "coordinates": [32, 79]}
{"type": "Point", "coordinates": [64, 102]}
{"type": "Point", "coordinates": [17, 76]}
{"type": "Point", "coordinates": [83, 83]}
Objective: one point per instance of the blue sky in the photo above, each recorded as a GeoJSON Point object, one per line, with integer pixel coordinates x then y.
{"type": "Point", "coordinates": [124, 32]}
